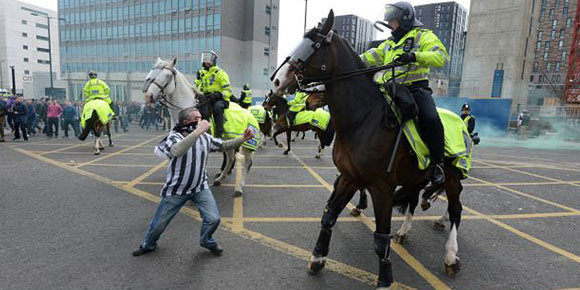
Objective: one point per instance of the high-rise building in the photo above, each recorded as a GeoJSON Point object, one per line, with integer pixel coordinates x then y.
{"type": "Point", "coordinates": [24, 45]}
{"type": "Point", "coordinates": [356, 30]}
{"type": "Point", "coordinates": [551, 41]}
{"type": "Point", "coordinates": [498, 44]}
{"type": "Point", "coordinates": [121, 40]}
{"type": "Point", "coordinates": [448, 21]}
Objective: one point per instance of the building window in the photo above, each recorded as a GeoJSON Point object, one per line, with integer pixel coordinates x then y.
{"type": "Point", "coordinates": [554, 23]}
{"type": "Point", "coordinates": [24, 34]}
{"type": "Point", "coordinates": [25, 47]}
{"type": "Point", "coordinates": [547, 46]}
{"type": "Point", "coordinates": [535, 66]}
{"type": "Point", "coordinates": [26, 72]}
{"type": "Point", "coordinates": [557, 67]}
{"type": "Point", "coordinates": [565, 11]}
{"type": "Point", "coordinates": [42, 61]}
{"type": "Point", "coordinates": [552, 11]}
{"type": "Point", "coordinates": [42, 49]}
{"type": "Point", "coordinates": [545, 55]}
{"type": "Point", "coordinates": [569, 22]}
{"type": "Point", "coordinates": [539, 35]}
{"type": "Point", "coordinates": [542, 14]}
{"type": "Point", "coordinates": [564, 55]}
{"type": "Point", "coordinates": [267, 30]}
{"type": "Point", "coordinates": [268, 9]}
{"type": "Point", "coordinates": [39, 25]}
{"type": "Point", "coordinates": [557, 3]}
{"type": "Point", "coordinates": [26, 59]}
{"type": "Point", "coordinates": [266, 51]}
{"type": "Point", "coordinates": [24, 22]}
{"type": "Point", "coordinates": [561, 44]}
{"type": "Point", "coordinates": [553, 34]}
{"type": "Point", "coordinates": [562, 33]}
{"type": "Point", "coordinates": [40, 37]}
{"type": "Point", "coordinates": [549, 67]}
{"type": "Point", "coordinates": [266, 72]}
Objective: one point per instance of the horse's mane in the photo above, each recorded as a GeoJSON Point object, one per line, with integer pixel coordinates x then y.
{"type": "Point", "coordinates": [160, 63]}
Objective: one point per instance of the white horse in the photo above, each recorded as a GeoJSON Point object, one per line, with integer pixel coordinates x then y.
{"type": "Point", "coordinates": [166, 84]}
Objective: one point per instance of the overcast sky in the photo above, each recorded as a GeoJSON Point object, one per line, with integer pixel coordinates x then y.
{"type": "Point", "coordinates": [292, 15]}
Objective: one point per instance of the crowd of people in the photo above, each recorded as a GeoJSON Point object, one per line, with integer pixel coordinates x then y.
{"type": "Point", "coordinates": [31, 117]}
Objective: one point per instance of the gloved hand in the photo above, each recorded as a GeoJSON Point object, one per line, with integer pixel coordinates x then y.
{"type": "Point", "coordinates": [406, 58]}
{"type": "Point", "coordinates": [216, 96]}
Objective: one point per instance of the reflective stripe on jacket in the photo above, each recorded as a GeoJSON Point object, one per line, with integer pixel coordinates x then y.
{"type": "Point", "coordinates": [96, 88]}
{"type": "Point", "coordinates": [247, 96]}
{"type": "Point", "coordinates": [215, 80]}
{"type": "Point", "coordinates": [299, 102]}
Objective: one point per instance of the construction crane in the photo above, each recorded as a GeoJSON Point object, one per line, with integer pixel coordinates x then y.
{"type": "Point", "coordinates": [572, 91]}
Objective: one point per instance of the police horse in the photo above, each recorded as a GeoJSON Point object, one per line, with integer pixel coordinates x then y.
{"type": "Point", "coordinates": [95, 118]}
{"type": "Point", "coordinates": [363, 146]}
{"type": "Point", "coordinates": [165, 84]}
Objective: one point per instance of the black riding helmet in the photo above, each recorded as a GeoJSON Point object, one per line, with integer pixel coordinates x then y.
{"type": "Point", "coordinates": [92, 74]}
{"type": "Point", "coordinates": [465, 107]}
{"type": "Point", "coordinates": [402, 11]}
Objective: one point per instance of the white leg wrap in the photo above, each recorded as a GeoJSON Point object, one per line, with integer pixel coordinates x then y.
{"type": "Point", "coordinates": [451, 247]}
{"type": "Point", "coordinates": [406, 226]}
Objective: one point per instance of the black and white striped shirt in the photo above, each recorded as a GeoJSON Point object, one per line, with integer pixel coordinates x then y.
{"type": "Point", "coordinates": [187, 174]}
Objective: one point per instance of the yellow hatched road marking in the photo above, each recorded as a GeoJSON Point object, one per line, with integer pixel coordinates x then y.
{"type": "Point", "coordinates": [247, 185]}
{"type": "Point", "coordinates": [238, 211]}
{"type": "Point", "coordinates": [333, 265]}
{"type": "Point", "coordinates": [149, 172]}
{"type": "Point", "coordinates": [515, 183]}
{"type": "Point", "coordinates": [118, 152]}
{"type": "Point", "coordinates": [532, 174]}
{"type": "Point", "coordinates": [398, 249]}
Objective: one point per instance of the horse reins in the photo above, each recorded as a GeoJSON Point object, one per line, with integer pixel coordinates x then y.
{"type": "Point", "coordinates": [163, 95]}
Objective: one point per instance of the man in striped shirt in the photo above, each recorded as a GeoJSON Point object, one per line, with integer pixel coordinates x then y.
{"type": "Point", "coordinates": [187, 147]}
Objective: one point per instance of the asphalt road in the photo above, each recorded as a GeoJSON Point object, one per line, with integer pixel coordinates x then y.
{"type": "Point", "coordinates": [70, 220]}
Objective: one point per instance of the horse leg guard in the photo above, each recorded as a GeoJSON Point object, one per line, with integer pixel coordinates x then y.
{"type": "Point", "coordinates": [318, 258]}
{"type": "Point", "coordinates": [382, 248]}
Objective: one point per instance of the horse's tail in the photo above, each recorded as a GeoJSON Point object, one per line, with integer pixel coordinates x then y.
{"type": "Point", "coordinates": [328, 135]}
{"type": "Point", "coordinates": [402, 200]}
{"type": "Point", "coordinates": [89, 125]}
{"type": "Point", "coordinates": [267, 125]}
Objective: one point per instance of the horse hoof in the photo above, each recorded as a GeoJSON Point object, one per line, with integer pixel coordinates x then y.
{"type": "Point", "coordinates": [355, 211]}
{"type": "Point", "coordinates": [217, 183]}
{"type": "Point", "coordinates": [425, 204]}
{"type": "Point", "coordinates": [97, 153]}
{"type": "Point", "coordinates": [438, 225]}
{"type": "Point", "coordinates": [316, 264]}
{"type": "Point", "coordinates": [285, 153]}
{"type": "Point", "coordinates": [317, 156]}
{"type": "Point", "coordinates": [453, 269]}
{"type": "Point", "coordinates": [280, 146]}
{"type": "Point", "coordinates": [237, 194]}
{"type": "Point", "coordinates": [401, 239]}
{"type": "Point", "coordinates": [111, 145]}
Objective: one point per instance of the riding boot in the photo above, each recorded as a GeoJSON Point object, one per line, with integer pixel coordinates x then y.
{"type": "Point", "coordinates": [291, 117]}
{"type": "Point", "coordinates": [218, 116]}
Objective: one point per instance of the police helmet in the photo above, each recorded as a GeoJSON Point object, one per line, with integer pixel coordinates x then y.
{"type": "Point", "coordinates": [209, 57]}
{"type": "Point", "coordinates": [246, 86]}
{"type": "Point", "coordinates": [402, 11]}
{"type": "Point", "coordinates": [92, 74]}
{"type": "Point", "coordinates": [465, 107]}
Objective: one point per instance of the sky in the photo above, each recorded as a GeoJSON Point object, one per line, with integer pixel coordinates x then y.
{"type": "Point", "coordinates": [291, 26]}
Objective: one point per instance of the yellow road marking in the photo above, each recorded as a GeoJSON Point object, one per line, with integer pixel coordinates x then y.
{"type": "Point", "coordinates": [398, 249]}
{"type": "Point", "coordinates": [146, 174]}
{"type": "Point", "coordinates": [122, 165]}
{"type": "Point", "coordinates": [514, 183]}
{"type": "Point", "coordinates": [333, 265]}
{"type": "Point", "coordinates": [533, 174]}
{"type": "Point", "coordinates": [517, 157]}
{"type": "Point", "coordinates": [527, 195]}
{"type": "Point", "coordinates": [238, 211]}
{"type": "Point", "coordinates": [118, 152]}
{"type": "Point", "coordinates": [247, 185]}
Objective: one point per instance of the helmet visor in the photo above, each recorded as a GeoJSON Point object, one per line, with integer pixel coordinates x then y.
{"type": "Point", "coordinates": [207, 57]}
{"type": "Point", "coordinates": [391, 12]}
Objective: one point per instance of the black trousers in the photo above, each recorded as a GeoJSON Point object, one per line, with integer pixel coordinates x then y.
{"type": "Point", "coordinates": [73, 125]}
{"type": "Point", "coordinates": [218, 116]}
{"type": "Point", "coordinates": [52, 124]}
{"type": "Point", "coordinates": [20, 125]}
{"type": "Point", "coordinates": [430, 124]}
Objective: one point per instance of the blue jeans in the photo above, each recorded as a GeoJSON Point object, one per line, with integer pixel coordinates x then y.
{"type": "Point", "coordinates": [170, 206]}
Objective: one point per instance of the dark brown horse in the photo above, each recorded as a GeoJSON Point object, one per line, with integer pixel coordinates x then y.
{"type": "Point", "coordinates": [363, 147]}
{"type": "Point", "coordinates": [280, 108]}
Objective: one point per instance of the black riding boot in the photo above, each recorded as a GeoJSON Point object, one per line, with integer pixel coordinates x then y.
{"type": "Point", "coordinates": [218, 117]}
{"type": "Point", "coordinates": [431, 130]}
{"type": "Point", "coordinates": [291, 117]}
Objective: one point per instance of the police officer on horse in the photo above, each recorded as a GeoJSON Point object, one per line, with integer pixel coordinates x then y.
{"type": "Point", "coordinates": [419, 49]}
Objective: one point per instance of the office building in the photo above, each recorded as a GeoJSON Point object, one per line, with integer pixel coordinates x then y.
{"type": "Point", "coordinates": [121, 40]}
{"type": "Point", "coordinates": [24, 45]}
{"type": "Point", "coordinates": [356, 30]}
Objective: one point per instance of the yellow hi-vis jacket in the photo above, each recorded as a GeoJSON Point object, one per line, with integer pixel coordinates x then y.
{"type": "Point", "coordinates": [299, 102]}
{"type": "Point", "coordinates": [214, 80]}
{"type": "Point", "coordinates": [96, 89]}
{"type": "Point", "coordinates": [428, 49]}
{"type": "Point", "coordinates": [247, 96]}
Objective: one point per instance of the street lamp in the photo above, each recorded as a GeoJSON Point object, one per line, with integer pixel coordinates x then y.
{"type": "Point", "coordinates": [305, 13]}
{"type": "Point", "coordinates": [48, 18]}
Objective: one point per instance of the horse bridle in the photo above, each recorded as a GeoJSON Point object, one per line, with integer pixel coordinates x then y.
{"type": "Point", "coordinates": [162, 95]}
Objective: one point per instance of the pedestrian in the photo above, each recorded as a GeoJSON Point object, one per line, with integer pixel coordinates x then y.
{"type": "Point", "coordinates": [42, 109]}
{"type": "Point", "coordinates": [10, 111]}
{"type": "Point", "coordinates": [30, 117]}
{"type": "Point", "coordinates": [20, 112]}
{"type": "Point", "coordinates": [53, 113]}
{"type": "Point", "coordinates": [187, 147]}
{"type": "Point", "coordinates": [2, 118]}
{"type": "Point", "coordinates": [115, 107]}
{"type": "Point", "coordinates": [69, 113]}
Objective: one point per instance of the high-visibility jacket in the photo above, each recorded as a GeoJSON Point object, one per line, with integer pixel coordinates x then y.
{"type": "Point", "coordinates": [469, 121]}
{"type": "Point", "coordinates": [299, 102]}
{"type": "Point", "coordinates": [428, 49]}
{"type": "Point", "coordinates": [96, 89]}
{"type": "Point", "coordinates": [214, 80]}
{"type": "Point", "coordinates": [247, 96]}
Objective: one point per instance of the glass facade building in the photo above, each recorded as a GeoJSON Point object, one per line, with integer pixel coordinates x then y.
{"type": "Point", "coordinates": [123, 38]}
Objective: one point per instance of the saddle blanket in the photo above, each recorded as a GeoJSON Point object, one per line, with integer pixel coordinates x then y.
{"type": "Point", "coordinates": [237, 119]}
{"type": "Point", "coordinates": [101, 107]}
{"type": "Point", "coordinates": [258, 112]}
{"type": "Point", "coordinates": [319, 118]}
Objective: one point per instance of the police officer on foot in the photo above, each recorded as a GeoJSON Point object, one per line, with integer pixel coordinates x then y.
{"type": "Point", "coordinates": [419, 49]}
{"type": "Point", "coordinates": [246, 97]}
{"type": "Point", "coordinates": [96, 89]}
{"type": "Point", "coordinates": [214, 82]}
{"type": "Point", "coordinates": [469, 121]}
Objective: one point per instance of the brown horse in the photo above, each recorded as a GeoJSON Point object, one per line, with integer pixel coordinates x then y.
{"type": "Point", "coordinates": [279, 107]}
{"type": "Point", "coordinates": [94, 124]}
{"type": "Point", "coordinates": [313, 102]}
{"type": "Point", "coordinates": [364, 146]}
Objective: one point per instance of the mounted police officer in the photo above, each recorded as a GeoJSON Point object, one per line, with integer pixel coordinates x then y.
{"type": "Point", "coordinates": [214, 82]}
{"type": "Point", "coordinates": [297, 105]}
{"type": "Point", "coordinates": [246, 97]}
{"type": "Point", "coordinates": [96, 89]}
{"type": "Point", "coordinates": [419, 49]}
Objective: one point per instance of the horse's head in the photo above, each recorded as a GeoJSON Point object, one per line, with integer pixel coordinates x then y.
{"type": "Point", "coordinates": [268, 103]}
{"type": "Point", "coordinates": [311, 60]}
{"type": "Point", "coordinates": [161, 80]}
